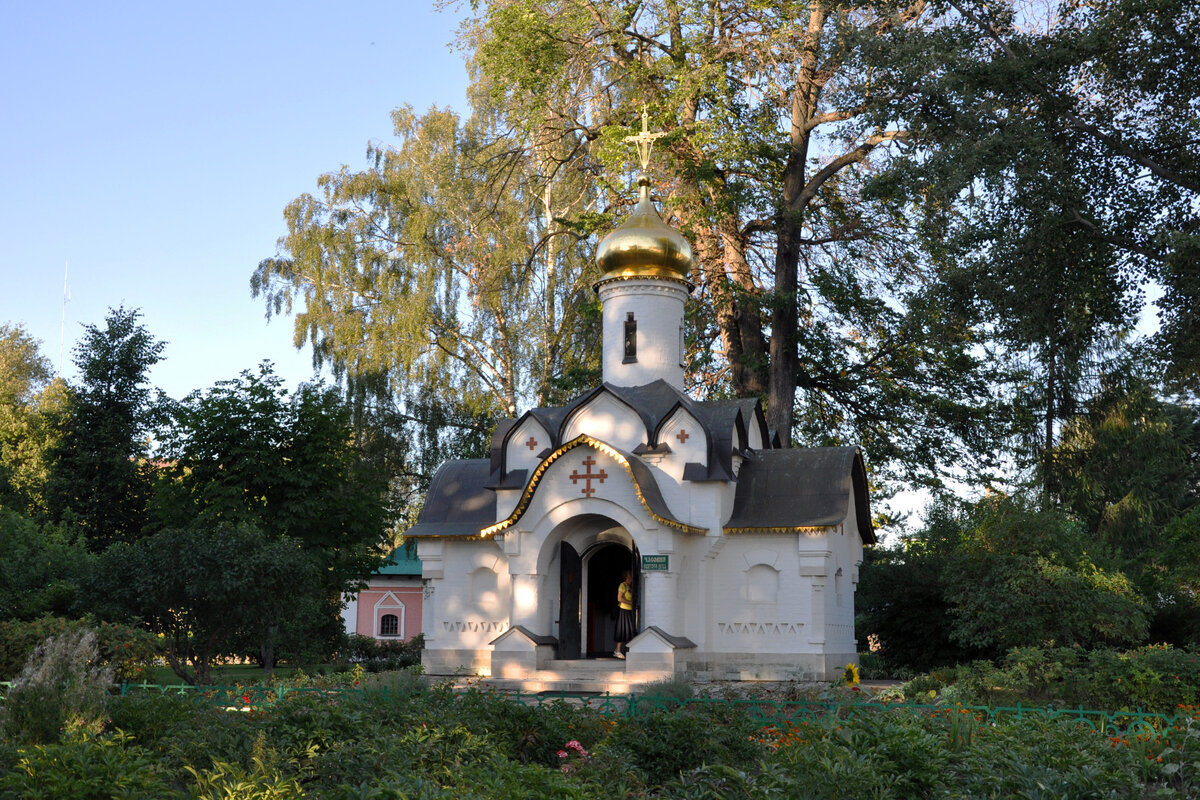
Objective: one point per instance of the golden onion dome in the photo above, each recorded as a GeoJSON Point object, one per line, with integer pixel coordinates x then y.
{"type": "Point", "coordinates": [644, 246]}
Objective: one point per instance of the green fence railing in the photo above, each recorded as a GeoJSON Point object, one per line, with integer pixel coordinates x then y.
{"type": "Point", "coordinates": [1122, 722]}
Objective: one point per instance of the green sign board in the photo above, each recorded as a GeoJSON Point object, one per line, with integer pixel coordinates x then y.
{"type": "Point", "coordinates": [655, 563]}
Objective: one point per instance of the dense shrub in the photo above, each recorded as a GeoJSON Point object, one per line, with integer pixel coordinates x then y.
{"type": "Point", "coordinates": [129, 651]}
{"type": "Point", "coordinates": [60, 690]}
{"type": "Point", "coordinates": [380, 655]}
{"type": "Point", "coordinates": [666, 743]}
{"type": "Point", "coordinates": [109, 766]}
{"type": "Point", "coordinates": [982, 578]}
{"type": "Point", "coordinates": [436, 743]}
{"type": "Point", "coordinates": [1156, 678]}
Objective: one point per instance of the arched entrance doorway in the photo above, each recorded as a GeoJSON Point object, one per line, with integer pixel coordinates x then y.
{"type": "Point", "coordinates": [588, 596]}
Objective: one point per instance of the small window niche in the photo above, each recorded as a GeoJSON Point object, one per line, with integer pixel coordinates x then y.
{"type": "Point", "coordinates": [630, 339]}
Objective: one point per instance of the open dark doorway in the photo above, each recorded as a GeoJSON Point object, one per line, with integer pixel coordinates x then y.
{"type": "Point", "coordinates": [606, 564]}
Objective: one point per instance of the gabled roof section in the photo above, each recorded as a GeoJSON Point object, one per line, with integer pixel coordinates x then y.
{"type": "Point", "coordinates": [797, 489]}
{"type": "Point", "coordinates": [653, 403]}
{"type": "Point", "coordinates": [458, 502]}
{"type": "Point", "coordinates": [644, 486]}
{"type": "Point", "coordinates": [499, 439]}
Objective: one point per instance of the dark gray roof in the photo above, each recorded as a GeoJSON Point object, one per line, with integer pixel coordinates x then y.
{"type": "Point", "coordinates": [654, 403]}
{"type": "Point", "coordinates": [800, 488]}
{"type": "Point", "coordinates": [458, 502]}
{"type": "Point", "coordinates": [643, 479]}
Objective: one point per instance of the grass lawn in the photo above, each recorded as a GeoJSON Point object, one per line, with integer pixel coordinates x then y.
{"type": "Point", "coordinates": [225, 674]}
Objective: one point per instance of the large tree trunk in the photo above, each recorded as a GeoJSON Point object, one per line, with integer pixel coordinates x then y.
{"type": "Point", "coordinates": [781, 400]}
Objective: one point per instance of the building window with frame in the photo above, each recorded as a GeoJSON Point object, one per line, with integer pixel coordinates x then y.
{"type": "Point", "coordinates": [630, 339]}
{"type": "Point", "coordinates": [389, 625]}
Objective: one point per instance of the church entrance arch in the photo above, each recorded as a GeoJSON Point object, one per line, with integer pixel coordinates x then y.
{"type": "Point", "coordinates": [589, 572]}
{"type": "Point", "coordinates": [604, 565]}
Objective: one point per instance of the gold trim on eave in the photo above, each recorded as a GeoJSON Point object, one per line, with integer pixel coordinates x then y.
{"type": "Point", "coordinates": [786, 529]}
{"type": "Point", "coordinates": [609, 451]}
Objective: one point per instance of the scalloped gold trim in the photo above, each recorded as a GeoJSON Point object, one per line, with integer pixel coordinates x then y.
{"type": "Point", "coordinates": [796, 529]}
{"type": "Point", "coordinates": [612, 453]}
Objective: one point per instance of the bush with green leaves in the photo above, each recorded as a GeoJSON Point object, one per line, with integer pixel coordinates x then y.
{"type": "Point", "coordinates": [437, 743]}
{"type": "Point", "coordinates": [665, 743]}
{"type": "Point", "coordinates": [108, 766]}
{"type": "Point", "coordinates": [1156, 678]}
{"type": "Point", "coordinates": [985, 577]}
{"type": "Point", "coordinates": [128, 650]}
{"type": "Point", "coordinates": [381, 655]}
{"type": "Point", "coordinates": [60, 691]}
{"type": "Point", "coordinates": [44, 566]}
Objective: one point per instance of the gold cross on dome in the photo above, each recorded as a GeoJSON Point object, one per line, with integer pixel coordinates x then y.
{"type": "Point", "coordinates": [645, 139]}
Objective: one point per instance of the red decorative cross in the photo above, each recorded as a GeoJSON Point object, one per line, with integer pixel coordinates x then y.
{"type": "Point", "coordinates": [532, 443]}
{"type": "Point", "coordinates": [588, 476]}
{"type": "Point", "coordinates": [682, 436]}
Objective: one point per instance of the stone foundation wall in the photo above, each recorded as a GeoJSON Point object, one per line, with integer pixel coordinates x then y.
{"type": "Point", "coordinates": [768, 666]}
{"type": "Point", "coordinates": [457, 662]}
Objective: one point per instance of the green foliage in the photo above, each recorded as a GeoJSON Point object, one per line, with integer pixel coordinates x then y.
{"type": "Point", "coordinates": [267, 778]}
{"type": "Point", "coordinates": [43, 568]}
{"type": "Point", "coordinates": [203, 587]}
{"type": "Point", "coordinates": [1052, 176]}
{"type": "Point", "coordinates": [28, 402]}
{"type": "Point", "coordinates": [667, 690]}
{"type": "Point", "coordinates": [1025, 577]}
{"type": "Point", "coordinates": [441, 270]}
{"type": "Point", "coordinates": [438, 744]}
{"type": "Point", "coordinates": [984, 578]}
{"type": "Point", "coordinates": [1129, 465]}
{"type": "Point", "coordinates": [60, 691]}
{"type": "Point", "coordinates": [666, 742]}
{"type": "Point", "coordinates": [378, 655]}
{"type": "Point", "coordinates": [267, 500]}
{"type": "Point", "coordinates": [128, 651]}
{"type": "Point", "coordinates": [100, 476]}
{"type": "Point", "coordinates": [1157, 679]}
{"type": "Point", "coordinates": [109, 766]}
{"type": "Point", "coordinates": [901, 600]}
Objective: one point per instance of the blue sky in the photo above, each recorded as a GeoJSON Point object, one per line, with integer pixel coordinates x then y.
{"type": "Point", "coordinates": [153, 146]}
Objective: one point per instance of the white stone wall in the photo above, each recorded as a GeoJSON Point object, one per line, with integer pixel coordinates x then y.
{"type": "Point", "coordinates": [525, 443]}
{"type": "Point", "coordinates": [470, 600]}
{"type": "Point", "coordinates": [606, 418]}
{"type": "Point", "coordinates": [658, 308]}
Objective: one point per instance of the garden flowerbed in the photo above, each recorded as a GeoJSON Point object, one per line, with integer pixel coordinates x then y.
{"type": "Point", "coordinates": [394, 738]}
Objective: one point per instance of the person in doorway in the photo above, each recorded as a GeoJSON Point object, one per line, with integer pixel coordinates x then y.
{"type": "Point", "coordinates": [626, 629]}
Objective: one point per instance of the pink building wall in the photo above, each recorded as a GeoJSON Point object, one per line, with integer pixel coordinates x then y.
{"type": "Point", "coordinates": [403, 601]}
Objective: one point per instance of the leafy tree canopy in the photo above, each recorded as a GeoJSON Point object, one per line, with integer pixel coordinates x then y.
{"type": "Point", "coordinates": [983, 578]}
{"type": "Point", "coordinates": [247, 460]}
{"type": "Point", "coordinates": [43, 569]}
{"type": "Point", "coordinates": [100, 475]}
{"type": "Point", "coordinates": [29, 404]}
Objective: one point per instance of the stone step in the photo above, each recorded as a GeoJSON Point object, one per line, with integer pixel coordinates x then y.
{"type": "Point", "coordinates": [571, 685]}
{"type": "Point", "coordinates": [580, 676]}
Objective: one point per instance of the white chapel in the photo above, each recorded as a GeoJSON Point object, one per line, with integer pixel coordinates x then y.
{"type": "Point", "coordinates": [744, 555]}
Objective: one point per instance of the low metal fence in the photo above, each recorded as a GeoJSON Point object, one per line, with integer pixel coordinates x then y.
{"type": "Point", "coordinates": [1121, 723]}
{"type": "Point", "coordinates": [767, 712]}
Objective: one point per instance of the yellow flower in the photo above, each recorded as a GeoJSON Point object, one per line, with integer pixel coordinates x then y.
{"type": "Point", "coordinates": [850, 674]}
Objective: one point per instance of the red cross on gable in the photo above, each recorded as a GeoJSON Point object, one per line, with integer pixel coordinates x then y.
{"type": "Point", "coordinates": [682, 436]}
{"type": "Point", "coordinates": [588, 476]}
{"type": "Point", "coordinates": [532, 443]}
